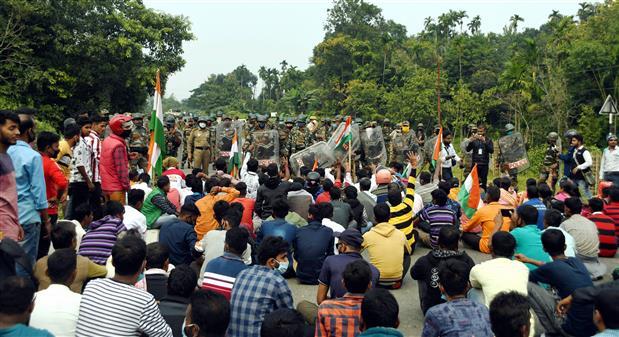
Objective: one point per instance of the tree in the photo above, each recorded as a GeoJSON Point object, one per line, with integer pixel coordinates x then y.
{"type": "Point", "coordinates": [513, 23]}
{"type": "Point", "coordinates": [474, 25]}
{"type": "Point", "coordinates": [80, 56]}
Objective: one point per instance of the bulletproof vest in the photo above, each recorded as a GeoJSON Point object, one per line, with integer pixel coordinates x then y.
{"type": "Point", "coordinates": [550, 157]}
{"type": "Point", "coordinates": [580, 158]}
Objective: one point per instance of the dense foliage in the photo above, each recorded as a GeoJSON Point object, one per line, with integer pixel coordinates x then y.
{"type": "Point", "coordinates": [72, 56]}
{"type": "Point", "coordinates": [550, 78]}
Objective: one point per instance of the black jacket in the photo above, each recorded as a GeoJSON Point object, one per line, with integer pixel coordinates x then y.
{"type": "Point", "coordinates": [157, 285]}
{"type": "Point", "coordinates": [274, 188]}
{"type": "Point", "coordinates": [481, 157]}
{"type": "Point", "coordinates": [173, 309]}
{"type": "Point", "coordinates": [357, 211]}
{"type": "Point", "coordinates": [425, 270]}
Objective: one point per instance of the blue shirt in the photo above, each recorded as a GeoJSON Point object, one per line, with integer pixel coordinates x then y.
{"type": "Point", "coordinates": [312, 244]}
{"type": "Point", "coordinates": [608, 333]}
{"type": "Point", "coordinates": [228, 264]}
{"type": "Point", "coordinates": [257, 291]}
{"type": "Point", "coordinates": [20, 330]}
{"type": "Point", "coordinates": [541, 210]}
{"type": "Point", "coordinates": [333, 268]}
{"type": "Point", "coordinates": [180, 238]}
{"type": "Point", "coordinates": [529, 243]}
{"type": "Point", "coordinates": [458, 318]}
{"type": "Point", "coordinates": [281, 228]}
{"type": "Point", "coordinates": [568, 161]}
{"type": "Point", "coordinates": [30, 181]}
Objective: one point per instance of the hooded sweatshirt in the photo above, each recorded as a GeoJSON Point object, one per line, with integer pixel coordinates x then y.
{"type": "Point", "coordinates": [386, 246]}
{"type": "Point", "coordinates": [273, 189]}
{"type": "Point", "coordinates": [425, 270]}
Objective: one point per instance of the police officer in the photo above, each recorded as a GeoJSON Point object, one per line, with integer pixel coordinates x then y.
{"type": "Point", "coordinates": [199, 145]}
{"type": "Point", "coordinates": [421, 135]}
{"type": "Point", "coordinates": [387, 128]}
{"type": "Point", "coordinates": [138, 142]}
{"type": "Point", "coordinates": [189, 126]}
{"type": "Point", "coordinates": [261, 125]}
{"type": "Point", "coordinates": [284, 137]}
{"type": "Point", "coordinates": [503, 167]}
{"type": "Point", "coordinates": [550, 164]}
{"type": "Point", "coordinates": [299, 136]}
{"type": "Point", "coordinates": [173, 137]}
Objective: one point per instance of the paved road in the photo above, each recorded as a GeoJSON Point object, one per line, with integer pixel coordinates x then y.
{"type": "Point", "coordinates": [411, 317]}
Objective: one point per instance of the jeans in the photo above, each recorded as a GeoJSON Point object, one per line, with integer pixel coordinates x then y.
{"type": "Point", "coordinates": [612, 177]}
{"type": "Point", "coordinates": [582, 184]}
{"type": "Point", "coordinates": [471, 239]}
{"type": "Point", "coordinates": [447, 174]}
{"type": "Point", "coordinates": [30, 244]}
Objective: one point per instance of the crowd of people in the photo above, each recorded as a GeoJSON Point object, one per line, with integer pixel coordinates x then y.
{"type": "Point", "coordinates": [91, 247]}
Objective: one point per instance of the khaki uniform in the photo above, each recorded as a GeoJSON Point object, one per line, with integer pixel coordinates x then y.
{"type": "Point", "coordinates": [200, 146]}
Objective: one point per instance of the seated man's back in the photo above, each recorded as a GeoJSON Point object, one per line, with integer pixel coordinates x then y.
{"type": "Point", "coordinates": [312, 244]}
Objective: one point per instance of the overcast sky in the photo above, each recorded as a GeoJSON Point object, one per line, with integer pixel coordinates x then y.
{"type": "Point", "coordinates": [256, 33]}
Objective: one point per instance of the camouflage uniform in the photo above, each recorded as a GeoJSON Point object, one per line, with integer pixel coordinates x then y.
{"type": "Point", "coordinates": [284, 137]}
{"type": "Point", "coordinates": [550, 164]}
{"type": "Point", "coordinates": [467, 155]}
{"type": "Point", "coordinates": [299, 136]}
{"type": "Point", "coordinates": [503, 168]}
{"type": "Point", "coordinates": [387, 129]}
{"type": "Point", "coordinates": [173, 138]}
{"type": "Point", "coordinates": [138, 142]}
{"type": "Point", "coordinates": [261, 125]}
{"type": "Point", "coordinates": [420, 135]}
{"type": "Point", "coordinates": [189, 127]}
{"type": "Point", "coordinates": [199, 145]}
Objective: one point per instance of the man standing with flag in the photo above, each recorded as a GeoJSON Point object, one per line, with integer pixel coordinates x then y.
{"type": "Point", "coordinates": [156, 148]}
{"type": "Point", "coordinates": [235, 158]}
{"type": "Point", "coordinates": [448, 156]}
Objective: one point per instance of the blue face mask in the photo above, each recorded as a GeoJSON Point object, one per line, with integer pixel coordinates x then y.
{"type": "Point", "coordinates": [282, 267]}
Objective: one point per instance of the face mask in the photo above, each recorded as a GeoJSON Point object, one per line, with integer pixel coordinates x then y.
{"type": "Point", "coordinates": [283, 267]}
{"type": "Point", "coordinates": [405, 129]}
{"type": "Point", "coordinates": [333, 125]}
{"type": "Point", "coordinates": [261, 125]}
{"type": "Point", "coordinates": [55, 154]}
{"type": "Point", "coordinates": [126, 133]}
{"type": "Point", "coordinates": [202, 125]}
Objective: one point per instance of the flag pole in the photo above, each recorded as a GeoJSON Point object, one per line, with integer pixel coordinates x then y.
{"type": "Point", "coordinates": [350, 148]}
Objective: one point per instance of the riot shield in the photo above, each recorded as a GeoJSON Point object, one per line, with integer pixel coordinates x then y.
{"type": "Point", "coordinates": [318, 153]}
{"type": "Point", "coordinates": [401, 148]}
{"type": "Point", "coordinates": [428, 148]}
{"type": "Point", "coordinates": [266, 147]}
{"type": "Point", "coordinates": [374, 145]}
{"type": "Point", "coordinates": [224, 135]}
{"type": "Point", "coordinates": [513, 154]}
{"type": "Point", "coordinates": [341, 152]}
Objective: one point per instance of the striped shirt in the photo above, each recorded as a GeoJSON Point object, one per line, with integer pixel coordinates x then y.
{"type": "Point", "coordinates": [606, 233]}
{"type": "Point", "coordinates": [101, 236]}
{"type": "Point", "coordinates": [402, 213]}
{"type": "Point", "coordinates": [612, 210]}
{"type": "Point", "coordinates": [339, 317]}
{"type": "Point", "coordinates": [94, 142]}
{"type": "Point", "coordinates": [111, 308]}
{"type": "Point", "coordinates": [437, 217]}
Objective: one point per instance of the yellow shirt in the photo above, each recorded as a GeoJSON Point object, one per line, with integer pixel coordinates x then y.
{"type": "Point", "coordinates": [386, 246]}
{"type": "Point", "coordinates": [63, 159]}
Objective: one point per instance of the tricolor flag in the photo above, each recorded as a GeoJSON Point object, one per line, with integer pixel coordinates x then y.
{"type": "Point", "coordinates": [156, 147]}
{"type": "Point", "coordinates": [315, 166]}
{"type": "Point", "coordinates": [470, 195]}
{"type": "Point", "coordinates": [235, 159]}
{"type": "Point", "coordinates": [438, 146]}
{"type": "Point", "coordinates": [346, 135]}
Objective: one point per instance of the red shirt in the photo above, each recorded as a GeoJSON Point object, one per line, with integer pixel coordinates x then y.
{"type": "Point", "coordinates": [323, 197]}
{"type": "Point", "coordinates": [54, 181]}
{"type": "Point", "coordinates": [612, 210]}
{"type": "Point", "coordinates": [248, 213]}
{"type": "Point", "coordinates": [606, 233]}
{"type": "Point", "coordinates": [174, 171]}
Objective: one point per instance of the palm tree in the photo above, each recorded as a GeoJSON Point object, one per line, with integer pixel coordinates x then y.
{"type": "Point", "coordinates": [585, 11]}
{"type": "Point", "coordinates": [474, 25]}
{"type": "Point", "coordinates": [555, 15]}
{"type": "Point", "coordinates": [513, 26]}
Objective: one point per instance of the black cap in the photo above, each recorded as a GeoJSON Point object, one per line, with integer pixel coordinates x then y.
{"type": "Point", "coordinates": [351, 237]}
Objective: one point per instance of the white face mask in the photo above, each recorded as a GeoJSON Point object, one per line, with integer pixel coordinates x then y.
{"type": "Point", "coordinates": [202, 125]}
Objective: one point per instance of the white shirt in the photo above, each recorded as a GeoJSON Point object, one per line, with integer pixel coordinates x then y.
{"type": "Point", "coordinates": [79, 233]}
{"type": "Point", "coordinates": [142, 186]}
{"type": "Point", "coordinates": [185, 192]}
{"type": "Point", "coordinates": [251, 180]}
{"type": "Point", "coordinates": [587, 156]}
{"type": "Point", "coordinates": [570, 244]}
{"type": "Point", "coordinates": [447, 151]}
{"type": "Point", "coordinates": [82, 154]}
{"type": "Point", "coordinates": [336, 228]}
{"type": "Point", "coordinates": [417, 203]}
{"type": "Point", "coordinates": [610, 161]}
{"type": "Point", "coordinates": [499, 274]}
{"type": "Point", "coordinates": [213, 247]}
{"type": "Point", "coordinates": [56, 309]}
{"type": "Point", "coordinates": [134, 219]}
